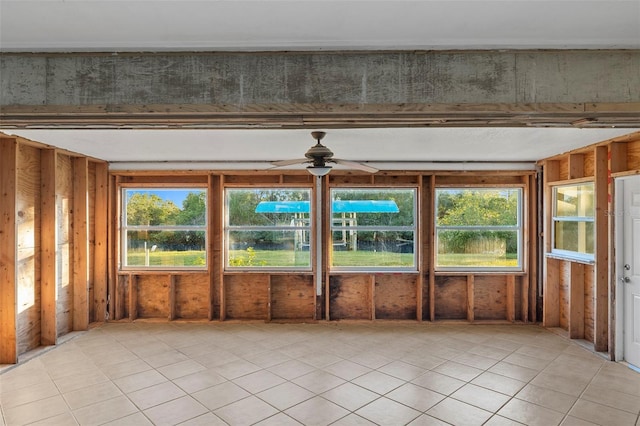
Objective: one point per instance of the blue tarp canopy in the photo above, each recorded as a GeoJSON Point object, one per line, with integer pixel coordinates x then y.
{"type": "Point", "coordinates": [339, 206]}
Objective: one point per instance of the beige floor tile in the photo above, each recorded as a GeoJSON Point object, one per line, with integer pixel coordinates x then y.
{"type": "Point", "coordinates": [612, 398]}
{"type": "Point", "coordinates": [165, 358]}
{"type": "Point", "coordinates": [480, 397]}
{"type": "Point", "coordinates": [601, 414]}
{"type": "Point", "coordinates": [378, 382]}
{"type": "Point", "coordinates": [285, 395]}
{"type": "Point", "coordinates": [180, 369]}
{"type": "Point", "coordinates": [135, 419]}
{"type": "Point", "coordinates": [458, 413]}
{"type": "Point", "coordinates": [320, 359]}
{"type": "Point", "coordinates": [91, 395]}
{"type": "Point", "coordinates": [353, 420]}
{"type": "Point", "coordinates": [126, 368]}
{"type": "Point", "coordinates": [346, 369]}
{"type": "Point", "coordinates": [438, 382]}
{"type": "Point", "coordinates": [291, 369]}
{"type": "Point", "coordinates": [28, 394]}
{"type": "Point", "coordinates": [266, 359]}
{"type": "Point", "coordinates": [176, 411]}
{"type": "Point", "coordinates": [139, 381]}
{"type": "Point", "coordinates": [574, 421]}
{"type": "Point", "coordinates": [35, 411]}
{"type": "Point", "coordinates": [548, 398]}
{"type": "Point", "coordinates": [371, 359]}
{"type": "Point", "coordinates": [350, 396]}
{"type": "Point", "coordinates": [155, 395]}
{"type": "Point", "coordinates": [316, 411]}
{"type": "Point", "coordinates": [501, 421]}
{"type": "Point", "coordinates": [79, 381]}
{"type": "Point", "coordinates": [207, 419]}
{"type": "Point", "coordinates": [498, 383]}
{"type": "Point", "coordinates": [486, 351]}
{"type": "Point", "coordinates": [384, 411]}
{"type": "Point", "coordinates": [279, 419]}
{"type": "Point", "coordinates": [530, 414]}
{"type": "Point", "coordinates": [513, 371]}
{"type": "Point", "coordinates": [220, 395]}
{"type": "Point", "coordinates": [415, 396]}
{"type": "Point", "coordinates": [559, 384]}
{"type": "Point", "coordinates": [527, 361]}
{"type": "Point", "coordinates": [198, 381]}
{"type": "Point", "coordinates": [318, 381]}
{"type": "Point", "coordinates": [259, 381]}
{"type": "Point", "coordinates": [458, 371]}
{"type": "Point", "coordinates": [105, 411]}
{"type": "Point", "coordinates": [426, 420]}
{"type": "Point", "coordinates": [474, 360]}
{"type": "Point", "coordinates": [64, 419]}
{"type": "Point", "coordinates": [402, 370]}
{"type": "Point", "coordinates": [246, 411]}
{"type": "Point", "coordinates": [421, 358]}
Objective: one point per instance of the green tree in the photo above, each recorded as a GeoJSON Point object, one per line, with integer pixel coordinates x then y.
{"type": "Point", "coordinates": [150, 209]}
{"type": "Point", "coordinates": [194, 209]}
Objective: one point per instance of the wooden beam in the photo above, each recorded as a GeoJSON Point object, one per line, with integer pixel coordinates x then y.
{"type": "Point", "coordinates": [372, 295]}
{"type": "Point", "coordinates": [100, 254]}
{"type": "Point", "coordinates": [576, 166]}
{"type": "Point", "coordinates": [80, 243]}
{"type": "Point", "coordinates": [113, 279]}
{"type": "Point", "coordinates": [618, 157]}
{"type": "Point", "coordinates": [215, 226]}
{"type": "Point", "coordinates": [171, 288]}
{"type": "Point", "coordinates": [551, 274]}
{"type": "Point", "coordinates": [530, 284]}
{"type": "Point", "coordinates": [8, 248]}
{"type": "Point", "coordinates": [48, 248]}
{"type": "Point", "coordinates": [551, 302]}
{"type": "Point", "coordinates": [133, 297]}
{"type": "Point", "coordinates": [470, 298]}
{"type": "Point", "coordinates": [576, 301]}
{"type": "Point", "coordinates": [430, 240]}
{"type": "Point", "coordinates": [601, 326]}
{"type": "Point", "coordinates": [511, 298]}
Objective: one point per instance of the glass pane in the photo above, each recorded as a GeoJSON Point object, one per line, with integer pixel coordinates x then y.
{"type": "Point", "coordinates": [268, 248]}
{"type": "Point", "coordinates": [574, 236]}
{"type": "Point", "coordinates": [477, 207]}
{"type": "Point", "coordinates": [574, 200]}
{"type": "Point", "coordinates": [372, 207]}
{"type": "Point", "coordinates": [268, 207]}
{"type": "Point", "coordinates": [159, 206]}
{"type": "Point", "coordinates": [373, 249]}
{"type": "Point", "coordinates": [165, 248]}
{"type": "Point", "coordinates": [487, 249]}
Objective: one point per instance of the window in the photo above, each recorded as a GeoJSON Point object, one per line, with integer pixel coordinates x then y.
{"type": "Point", "coordinates": [268, 228]}
{"type": "Point", "coordinates": [164, 228]}
{"type": "Point", "coordinates": [373, 229]}
{"type": "Point", "coordinates": [573, 220]}
{"type": "Point", "coordinates": [478, 228]}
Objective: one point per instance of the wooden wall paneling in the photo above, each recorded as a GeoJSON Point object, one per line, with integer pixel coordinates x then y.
{"type": "Point", "coordinates": [216, 256]}
{"type": "Point", "coordinates": [511, 298]}
{"type": "Point", "coordinates": [372, 295]}
{"type": "Point", "coordinates": [470, 298]}
{"type": "Point", "coordinates": [530, 281]}
{"type": "Point", "coordinates": [589, 302]}
{"type": "Point", "coordinates": [122, 297]}
{"type": "Point", "coordinates": [48, 247]}
{"type": "Point", "coordinates": [395, 296]}
{"type": "Point", "coordinates": [576, 302]}
{"type": "Point", "coordinates": [350, 297]}
{"type": "Point", "coordinates": [633, 156]}
{"type": "Point", "coordinates": [171, 290]}
{"type": "Point", "coordinates": [550, 302]}
{"type": "Point", "coordinates": [324, 302]}
{"type": "Point", "coordinates": [601, 330]}
{"type": "Point", "coordinates": [100, 242]}
{"type": "Point", "coordinates": [112, 247]}
{"type": "Point", "coordinates": [618, 157]}
{"type": "Point", "coordinates": [8, 254]}
{"type": "Point", "coordinates": [451, 297]}
{"type": "Point", "coordinates": [246, 296]}
{"type": "Point", "coordinates": [80, 269]}
{"type": "Point", "coordinates": [132, 280]}
{"type": "Point", "coordinates": [91, 261]}
{"type": "Point", "coordinates": [490, 297]}
{"type": "Point", "coordinates": [192, 294]}
{"type": "Point", "coordinates": [153, 296]}
{"type": "Point", "coordinates": [27, 219]}
{"type": "Point", "coordinates": [576, 166]}
{"type": "Point", "coordinates": [589, 163]}
{"type": "Point", "coordinates": [564, 293]}
{"type": "Point", "coordinates": [64, 246]}
{"type": "Point", "coordinates": [292, 297]}
{"type": "Point", "coordinates": [429, 229]}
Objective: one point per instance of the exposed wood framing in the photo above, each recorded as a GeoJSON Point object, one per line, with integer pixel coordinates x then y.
{"type": "Point", "coordinates": [171, 288]}
{"type": "Point", "coordinates": [48, 248]}
{"type": "Point", "coordinates": [470, 298]}
{"type": "Point", "coordinates": [511, 298]}
{"type": "Point", "coordinates": [80, 243]}
{"type": "Point", "coordinates": [576, 301]}
{"type": "Point", "coordinates": [101, 219]}
{"type": "Point", "coordinates": [601, 329]}
{"type": "Point", "coordinates": [8, 250]}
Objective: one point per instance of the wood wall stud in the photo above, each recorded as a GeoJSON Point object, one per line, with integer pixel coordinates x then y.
{"type": "Point", "coordinates": [48, 248]}
{"type": "Point", "coordinates": [80, 243]}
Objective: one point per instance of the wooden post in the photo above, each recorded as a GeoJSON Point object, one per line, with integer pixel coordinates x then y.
{"type": "Point", "coordinates": [48, 247]}
{"type": "Point", "coordinates": [551, 301]}
{"type": "Point", "coordinates": [172, 297]}
{"type": "Point", "coordinates": [80, 243]}
{"type": "Point", "coordinates": [113, 279]}
{"type": "Point", "coordinates": [576, 301]}
{"type": "Point", "coordinates": [511, 298]}
{"type": "Point", "coordinates": [8, 247]}
{"type": "Point", "coordinates": [601, 326]}
{"type": "Point", "coordinates": [133, 297]}
{"type": "Point", "coordinates": [372, 295]}
{"type": "Point", "coordinates": [100, 267]}
{"type": "Point", "coordinates": [430, 232]}
{"type": "Point", "coordinates": [470, 298]}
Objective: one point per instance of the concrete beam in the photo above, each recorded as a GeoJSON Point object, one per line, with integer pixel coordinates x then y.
{"type": "Point", "coordinates": [329, 89]}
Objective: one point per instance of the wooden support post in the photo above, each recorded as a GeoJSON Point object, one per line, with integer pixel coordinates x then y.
{"type": "Point", "coordinates": [601, 326]}
{"type": "Point", "coordinates": [8, 250]}
{"type": "Point", "coordinates": [215, 261]}
{"type": "Point", "coordinates": [511, 298]}
{"type": "Point", "coordinates": [172, 297]}
{"type": "Point", "coordinates": [576, 166]}
{"type": "Point", "coordinates": [551, 274]}
{"type": "Point", "coordinates": [372, 295]}
{"type": "Point", "coordinates": [530, 282]}
{"type": "Point", "coordinates": [80, 243]}
{"type": "Point", "coordinates": [269, 295]}
{"type": "Point", "coordinates": [49, 248]}
{"type": "Point", "coordinates": [133, 296]}
{"type": "Point", "coordinates": [430, 226]}
{"type": "Point", "coordinates": [100, 265]}
{"type": "Point", "coordinates": [576, 301]}
{"type": "Point", "coordinates": [113, 279]}
{"type": "Point", "coordinates": [470, 298]}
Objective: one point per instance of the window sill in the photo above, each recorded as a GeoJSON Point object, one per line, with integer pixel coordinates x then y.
{"type": "Point", "coordinates": [568, 258]}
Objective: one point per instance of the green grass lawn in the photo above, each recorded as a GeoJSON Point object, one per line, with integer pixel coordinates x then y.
{"type": "Point", "coordinates": [479, 260]}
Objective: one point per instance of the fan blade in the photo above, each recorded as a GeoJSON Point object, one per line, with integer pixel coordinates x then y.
{"type": "Point", "coordinates": [355, 165]}
{"type": "Point", "coordinates": [289, 162]}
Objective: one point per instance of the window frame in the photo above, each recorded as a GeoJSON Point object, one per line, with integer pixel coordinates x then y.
{"type": "Point", "coordinates": [226, 228]}
{"type": "Point", "coordinates": [415, 228]}
{"type": "Point", "coordinates": [122, 255]}
{"type": "Point", "coordinates": [570, 254]}
{"type": "Point", "coordinates": [519, 228]}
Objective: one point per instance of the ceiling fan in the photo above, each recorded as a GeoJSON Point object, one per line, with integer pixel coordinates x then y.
{"type": "Point", "coordinates": [319, 155]}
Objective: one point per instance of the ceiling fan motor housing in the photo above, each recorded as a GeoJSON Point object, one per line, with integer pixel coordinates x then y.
{"type": "Point", "coordinates": [318, 153]}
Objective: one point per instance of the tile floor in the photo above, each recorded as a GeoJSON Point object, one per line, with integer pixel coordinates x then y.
{"type": "Point", "coordinates": [334, 373]}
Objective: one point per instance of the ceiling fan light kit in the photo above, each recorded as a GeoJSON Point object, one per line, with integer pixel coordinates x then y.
{"type": "Point", "coordinates": [319, 155]}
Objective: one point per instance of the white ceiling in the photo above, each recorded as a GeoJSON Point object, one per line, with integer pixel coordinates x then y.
{"type": "Point", "coordinates": [150, 25]}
